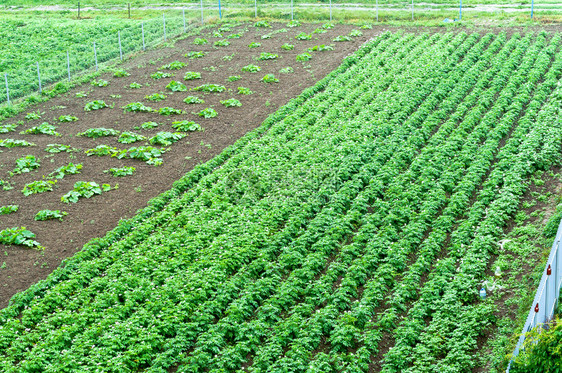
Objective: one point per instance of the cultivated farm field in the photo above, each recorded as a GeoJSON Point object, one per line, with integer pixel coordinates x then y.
{"type": "Point", "coordinates": [350, 231]}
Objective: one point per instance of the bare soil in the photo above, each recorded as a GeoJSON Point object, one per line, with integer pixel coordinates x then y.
{"type": "Point", "coordinates": [89, 218]}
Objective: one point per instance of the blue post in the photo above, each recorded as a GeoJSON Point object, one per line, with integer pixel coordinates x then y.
{"type": "Point", "coordinates": [460, 10]}
{"type": "Point", "coordinates": [220, 14]}
{"type": "Point", "coordinates": [532, 6]}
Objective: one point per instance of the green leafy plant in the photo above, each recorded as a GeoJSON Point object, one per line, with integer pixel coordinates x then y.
{"type": "Point", "coordinates": [251, 68]}
{"type": "Point", "coordinates": [67, 118]}
{"type": "Point", "coordinates": [121, 172]}
{"type": "Point", "coordinates": [148, 154]}
{"type": "Point", "coordinates": [39, 186]}
{"type": "Point", "coordinates": [42, 129]}
{"type": "Point", "coordinates": [328, 26]}
{"type": "Point", "coordinates": [159, 75]}
{"type": "Point", "coordinates": [210, 88]}
{"type": "Point", "coordinates": [194, 54]}
{"type": "Point", "coordinates": [26, 164]}
{"type": "Point", "coordinates": [231, 102]}
{"type": "Point", "coordinates": [50, 215]}
{"type": "Point", "coordinates": [269, 78]}
{"type": "Point", "coordinates": [99, 83]}
{"type": "Point", "coordinates": [33, 115]}
{"type": "Point", "coordinates": [103, 150]}
{"type": "Point", "coordinates": [221, 43]}
{"type": "Point", "coordinates": [303, 57]}
{"type": "Point", "coordinates": [234, 36]}
{"type": "Point", "coordinates": [95, 133]}
{"type": "Point", "coordinates": [148, 125]}
{"type": "Point", "coordinates": [262, 24]}
{"type": "Point", "coordinates": [175, 65]}
{"type": "Point", "coordinates": [234, 78]}
{"type": "Point", "coordinates": [8, 209]}
{"type": "Point", "coordinates": [193, 100]}
{"type": "Point", "coordinates": [342, 38]}
{"type": "Point", "coordinates": [81, 94]}
{"type": "Point", "coordinates": [166, 138]}
{"type": "Point", "coordinates": [229, 57]}
{"type": "Point", "coordinates": [176, 86]}
{"type": "Point", "coordinates": [11, 143]}
{"type": "Point", "coordinates": [6, 185]}
{"type": "Point", "coordinates": [8, 128]}
{"type": "Point", "coordinates": [58, 148]}
{"type": "Point", "coordinates": [208, 113]}
{"type": "Point", "coordinates": [191, 75]}
{"type": "Point", "coordinates": [120, 73]}
{"type": "Point", "coordinates": [200, 41]}
{"type": "Point", "coordinates": [19, 236]}
{"type": "Point", "coordinates": [127, 137]}
{"type": "Point", "coordinates": [217, 34]}
{"type": "Point", "coordinates": [287, 70]}
{"type": "Point", "coordinates": [267, 56]}
{"type": "Point", "coordinates": [244, 91]}
{"type": "Point", "coordinates": [156, 97]}
{"type": "Point", "coordinates": [321, 48]}
{"type": "Point", "coordinates": [293, 23]}
{"type": "Point", "coordinates": [69, 169]}
{"type": "Point", "coordinates": [169, 111]}
{"type": "Point", "coordinates": [319, 31]}
{"type": "Point", "coordinates": [137, 107]}
{"type": "Point", "coordinates": [186, 126]}
{"type": "Point", "coordinates": [288, 47]}
{"type": "Point", "coordinates": [135, 85]}
{"type": "Point", "coordinates": [254, 45]}
{"type": "Point", "coordinates": [95, 105]}
{"type": "Point", "coordinates": [355, 33]}
{"type": "Point", "coordinates": [303, 36]}
{"type": "Point", "coordinates": [83, 189]}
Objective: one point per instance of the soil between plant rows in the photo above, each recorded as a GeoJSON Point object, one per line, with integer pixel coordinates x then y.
{"type": "Point", "coordinates": [89, 218]}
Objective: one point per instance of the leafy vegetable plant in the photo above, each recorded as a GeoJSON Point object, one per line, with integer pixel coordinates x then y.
{"type": "Point", "coordinates": [84, 189]}
{"type": "Point", "coordinates": [95, 105]}
{"type": "Point", "coordinates": [208, 113]}
{"type": "Point", "coordinates": [169, 111]}
{"type": "Point", "coordinates": [166, 138]}
{"type": "Point", "coordinates": [128, 137]}
{"type": "Point", "coordinates": [210, 88]}
{"type": "Point", "coordinates": [251, 68]}
{"type": "Point", "coordinates": [42, 129]}
{"type": "Point", "coordinates": [244, 91]}
{"type": "Point", "coordinates": [95, 133]}
{"type": "Point", "coordinates": [191, 75]}
{"type": "Point", "coordinates": [67, 118]}
{"type": "Point", "coordinates": [39, 186]}
{"type": "Point", "coordinates": [231, 102]}
{"type": "Point", "coordinates": [50, 214]}
{"type": "Point", "coordinates": [156, 97]}
{"type": "Point", "coordinates": [186, 126]}
{"type": "Point", "coordinates": [193, 100]}
{"type": "Point", "coordinates": [122, 171]}
{"type": "Point", "coordinates": [137, 107]}
{"type": "Point", "coordinates": [176, 86]}
{"type": "Point", "coordinates": [8, 209]}
{"type": "Point", "coordinates": [175, 65]}
{"type": "Point", "coordinates": [26, 164]}
{"type": "Point", "coordinates": [19, 236]}
{"type": "Point", "coordinates": [269, 78]}
{"type": "Point", "coordinates": [69, 169]}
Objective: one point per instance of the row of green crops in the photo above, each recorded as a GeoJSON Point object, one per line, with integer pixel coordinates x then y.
{"type": "Point", "coordinates": [25, 42]}
{"type": "Point", "coordinates": [363, 215]}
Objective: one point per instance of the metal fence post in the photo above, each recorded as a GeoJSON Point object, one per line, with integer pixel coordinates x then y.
{"type": "Point", "coordinates": [142, 29]}
{"type": "Point", "coordinates": [255, 8]}
{"type": "Point", "coordinates": [96, 56]}
{"type": "Point", "coordinates": [377, 10]}
{"type": "Point", "coordinates": [164, 23]}
{"type": "Point", "coordinates": [412, 10]}
{"type": "Point", "coordinates": [7, 89]}
{"type": "Point", "coordinates": [220, 13]}
{"type": "Point", "coordinates": [183, 14]}
{"type": "Point", "coordinates": [68, 64]}
{"type": "Point", "coordinates": [120, 49]}
{"type": "Point", "coordinates": [532, 7]}
{"type": "Point", "coordinates": [291, 10]}
{"type": "Point", "coordinates": [558, 270]}
{"type": "Point", "coordinates": [460, 10]}
{"type": "Point", "coordinates": [330, 10]}
{"type": "Point", "coordinates": [39, 78]}
{"type": "Point", "coordinates": [201, 11]}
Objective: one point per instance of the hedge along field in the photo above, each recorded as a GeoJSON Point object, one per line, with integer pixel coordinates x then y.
{"type": "Point", "coordinates": [24, 42]}
{"type": "Point", "coordinates": [362, 215]}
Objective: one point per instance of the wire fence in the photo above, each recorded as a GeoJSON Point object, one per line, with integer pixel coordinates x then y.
{"type": "Point", "coordinates": [124, 36]}
{"type": "Point", "coordinates": [546, 298]}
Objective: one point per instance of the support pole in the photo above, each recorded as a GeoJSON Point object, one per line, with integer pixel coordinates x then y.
{"type": "Point", "coordinates": [96, 56]}
{"type": "Point", "coordinates": [201, 11]}
{"type": "Point", "coordinates": [532, 7]}
{"type": "Point", "coordinates": [220, 12]}
{"type": "Point", "coordinates": [377, 10]}
{"type": "Point", "coordinates": [183, 14]}
{"type": "Point", "coordinates": [292, 10]}
{"type": "Point", "coordinates": [330, 10]}
{"type": "Point", "coordinates": [164, 23]}
{"type": "Point", "coordinates": [120, 49]}
{"type": "Point", "coordinates": [39, 78]}
{"type": "Point", "coordinates": [79, 10]}
{"type": "Point", "coordinates": [412, 10]}
{"type": "Point", "coordinates": [129, 8]}
{"type": "Point", "coordinates": [142, 29]}
{"type": "Point", "coordinates": [256, 8]}
{"type": "Point", "coordinates": [68, 64]}
{"type": "Point", "coordinates": [7, 89]}
{"type": "Point", "coordinates": [460, 10]}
